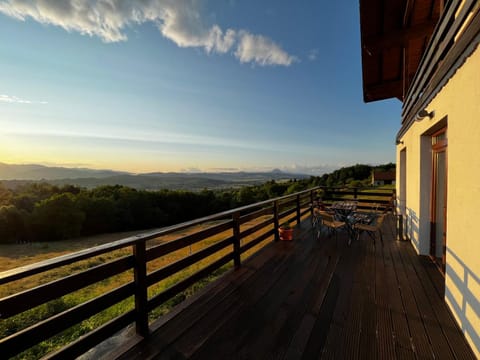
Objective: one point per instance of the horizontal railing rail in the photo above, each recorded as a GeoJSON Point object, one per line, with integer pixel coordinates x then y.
{"type": "Point", "coordinates": [366, 198]}
{"type": "Point", "coordinates": [144, 263]}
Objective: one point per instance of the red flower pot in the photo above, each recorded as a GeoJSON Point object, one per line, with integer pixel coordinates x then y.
{"type": "Point", "coordinates": [285, 234]}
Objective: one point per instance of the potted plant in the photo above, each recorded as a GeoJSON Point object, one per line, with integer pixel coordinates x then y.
{"type": "Point", "coordinates": [285, 231]}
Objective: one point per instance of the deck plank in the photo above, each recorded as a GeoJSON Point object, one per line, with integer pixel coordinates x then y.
{"type": "Point", "coordinates": [230, 309]}
{"type": "Point", "coordinates": [344, 277]}
{"type": "Point", "coordinates": [401, 332]}
{"type": "Point", "coordinates": [368, 335]}
{"type": "Point", "coordinates": [419, 338]}
{"type": "Point", "coordinates": [432, 326]}
{"type": "Point", "coordinates": [437, 308]}
{"type": "Point", "coordinates": [349, 342]}
{"type": "Point", "coordinates": [385, 344]}
{"type": "Point", "coordinates": [314, 314]}
{"type": "Point", "coordinates": [315, 298]}
{"type": "Point", "coordinates": [271, 311]}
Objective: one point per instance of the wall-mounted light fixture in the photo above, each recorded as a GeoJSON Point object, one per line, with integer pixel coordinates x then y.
{"type": "Point", "coordinates": [399, 142]}
{"type": "Point", "coordinates": [423, 114]}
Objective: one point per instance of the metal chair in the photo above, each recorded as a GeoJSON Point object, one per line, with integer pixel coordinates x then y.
{"type": "Point", "coordinates": [317, 207]}
{"type": "Point", "coordinates": [328, 220]}
{"type": "Point", "coordinates": [371, 229]}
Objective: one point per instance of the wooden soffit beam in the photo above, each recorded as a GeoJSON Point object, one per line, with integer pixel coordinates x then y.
{"type": "Point", "coordinates": [384, 90]}
{"type": "Point", "coordinates": [398, 38]}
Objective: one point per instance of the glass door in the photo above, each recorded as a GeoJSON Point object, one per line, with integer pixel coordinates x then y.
{"type": "Point", "coordinates": [402, 196]}
{"type": "Point", "coordinates": [438, 243]}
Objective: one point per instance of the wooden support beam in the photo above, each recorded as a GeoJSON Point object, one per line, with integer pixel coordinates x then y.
{"type": "Point", "coordinates": [276, 220]}
{"type": "Point", "coordinates": [408, 12]}
{"type": "Point", "coordinates": [398, 38]}
{"type": "Point", "coordinates": [384, 90]}
{"type": "Point", "coordinates": [141, 297]}
{"type": "Point", "coordinates": [236, 239]}
{"type": "Point", "coordinates": [405, 71]}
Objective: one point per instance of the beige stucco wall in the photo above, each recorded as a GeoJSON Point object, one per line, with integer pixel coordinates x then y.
{"type": "Point", "coordinates": [459, 103]}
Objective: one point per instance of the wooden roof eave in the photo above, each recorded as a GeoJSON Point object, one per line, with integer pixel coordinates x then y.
{"type": "Point", "coordinates": [393, 49]}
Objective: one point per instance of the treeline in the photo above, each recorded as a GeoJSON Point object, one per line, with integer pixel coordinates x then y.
{"type": "Point", "coordinates": [44, 212]}
{"type": "Point", "coordinates": [353, 176]}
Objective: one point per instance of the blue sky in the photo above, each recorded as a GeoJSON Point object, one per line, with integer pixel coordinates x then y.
{"type": "Point", "coordinates": [171, 85]}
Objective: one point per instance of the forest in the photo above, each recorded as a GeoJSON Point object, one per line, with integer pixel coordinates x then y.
{"type": "Point", "coordinates": [40, 211]}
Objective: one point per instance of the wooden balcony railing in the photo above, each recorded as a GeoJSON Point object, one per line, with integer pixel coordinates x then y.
{"type": "Point", "coordinates": [366, 198]}
{"type": "Point", "coordinates": [239, 237]}
{"type": "Point", "coordinates": [242, 231]}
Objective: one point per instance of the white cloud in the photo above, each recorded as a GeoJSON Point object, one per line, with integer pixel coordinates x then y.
{"type": "Point", "coordinates": [191, 170]}
{"type": "Point", "coordinates": [317, 170]}
{"type": "Point", "coordinates": [17, 100]}
{"type": "Point", "coordinates": [261, 50]}
{"type": "Point", "coordinates": [124, 136]}
{"type": "Point", "coordinates": [224, 169]}
{"type": "Point", "coordinates": [178, 20]}
{"type": "Point", "coordinates": [313, 54]}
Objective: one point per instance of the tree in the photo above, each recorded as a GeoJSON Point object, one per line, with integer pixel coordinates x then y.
{"type": "Point", "coordinates": [24, 201]}
{"type": "Point", "coordinates": [275, 189]}
{"type": "Point", "coordinates": [355, 184]}
{"type": "Point", "coordinates": [386, 167]}
{"type": "Point", "coordinates": [295, 187]}
{"type": "Point", "coordinates": [57, 218]}
{"type": "Point", "coordinates": [99, 214]}
{"type": "Point", "coordinates": [245, 195]}
{"type": "Point", "coordinates": [5, 195]}
{"type": "Point", "coordinates": [12, 224]}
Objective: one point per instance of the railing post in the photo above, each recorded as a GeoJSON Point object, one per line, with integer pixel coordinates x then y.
{"type": "Point", "coordinates": [275, 220]}
{"type": "Point", "coordinates": [140, 277]}
{"type": "Point", "coordinates": [311, 203]}
{"type": "Point", "coordinates": [298, 209]}
{"type": "Point", "coordinates": [399, 219]}
{"type": "Point", "coordinates": [236, 239]}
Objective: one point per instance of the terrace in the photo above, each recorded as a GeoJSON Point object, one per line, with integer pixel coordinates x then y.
{"type": "Point", "coordinates": [308, 298]}
{"type": "Point", "coordinates": [315, 298]}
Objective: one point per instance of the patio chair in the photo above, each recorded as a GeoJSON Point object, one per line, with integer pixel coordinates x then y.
{"type": "Point", "coordinates": [328, 220]}
{"type": "Point", "coordinates": [389, 206]}
{"type": "Point", "coordinates": [392, 205]}
{"type": "Point", "coordinates": [317, 207]}
{"type": "Point", "coordinates": [372, 228]}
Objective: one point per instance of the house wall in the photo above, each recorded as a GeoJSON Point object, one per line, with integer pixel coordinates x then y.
{"type": "Point", "coordinates": [457, 105]}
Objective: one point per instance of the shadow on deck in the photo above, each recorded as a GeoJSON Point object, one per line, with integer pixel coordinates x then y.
{"type": "Point", "coordinates": [315, 298]}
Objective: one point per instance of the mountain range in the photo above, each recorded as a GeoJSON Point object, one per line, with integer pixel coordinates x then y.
{"type": "Point", "coordinates": [41, 172]}
{"type": "Point", "coordinates": [14, 174]}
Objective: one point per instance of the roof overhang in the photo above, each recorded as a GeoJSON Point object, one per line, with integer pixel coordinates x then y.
{"type": "Point", "coordinates": [394, 36]}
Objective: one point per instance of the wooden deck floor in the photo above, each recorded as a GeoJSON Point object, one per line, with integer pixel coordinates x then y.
{"type": "Point", "coordinates": [315, 298]}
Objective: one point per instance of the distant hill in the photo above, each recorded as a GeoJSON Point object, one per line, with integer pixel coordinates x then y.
{"type": "Point", "coordinates": [41, 172]}
{"type": "Point", "coordinates": [13, 175]}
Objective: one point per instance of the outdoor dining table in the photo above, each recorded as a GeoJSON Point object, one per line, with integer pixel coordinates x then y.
{"type": "Point", "coordinates": [345, 211]}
